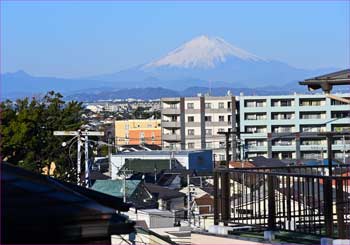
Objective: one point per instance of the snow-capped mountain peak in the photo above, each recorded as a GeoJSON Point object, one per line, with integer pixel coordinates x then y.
{"type": "Point", "coordinates": [202, 52]}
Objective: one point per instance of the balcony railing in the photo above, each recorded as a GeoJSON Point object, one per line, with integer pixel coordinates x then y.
{"type": "Point", "coordinates": [171, 137]}
{"type": "Point", "coordinates": [299, 199]}
{"type": "Point", "coordinates": [171, 124]}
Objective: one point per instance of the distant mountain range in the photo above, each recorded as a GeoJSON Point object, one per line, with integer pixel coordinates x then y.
{"type": "Point", "coordinates": [202, 64]}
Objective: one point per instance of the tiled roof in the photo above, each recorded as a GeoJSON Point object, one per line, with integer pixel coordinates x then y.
{"type": "Point", "coordinates": [162, 192]}
{"type": "Point", "coordinates": [116, 187]}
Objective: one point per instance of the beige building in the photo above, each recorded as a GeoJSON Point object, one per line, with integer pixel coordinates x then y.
{"type": "Point", "coordinates": [194, 123]}
{"type": "Point", "coordinates": [139, 131]}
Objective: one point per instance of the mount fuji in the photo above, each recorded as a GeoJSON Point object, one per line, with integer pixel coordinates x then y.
{"type": "Point", "coordinates": [210, 59]}
{"type": "Point", "coordinates": [201, 64]}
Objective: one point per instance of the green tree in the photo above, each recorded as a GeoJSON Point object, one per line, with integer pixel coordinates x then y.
{"type": "Point", "coordinates": [27, 127]}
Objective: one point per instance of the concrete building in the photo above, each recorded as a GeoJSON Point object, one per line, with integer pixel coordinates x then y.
{"type": "Point", "coordinates": [263, 116]}
{"type": "Point", "coordinates": [139, 131]}
{"type": "Point", "coordinates": [192, 160]}
{"type": "Point", "coordinates": [194, 122]}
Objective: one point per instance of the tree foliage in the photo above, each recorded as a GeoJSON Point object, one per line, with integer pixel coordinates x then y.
{"type": "Point", "coordinates": [27, 127]}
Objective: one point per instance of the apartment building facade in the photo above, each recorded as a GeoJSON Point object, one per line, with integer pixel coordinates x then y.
{"type": "Point", "coordinates": [190, 123]}
{"type": "Point", "coordinates": [139, 131]}
{"type": "Point", "coordinates": [264, 116]}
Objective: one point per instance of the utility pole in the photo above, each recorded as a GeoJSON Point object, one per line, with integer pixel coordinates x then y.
{"type": "Point", "coordinates": [87, 174]}
{"type": "Point", "coordinates": [344, 149]}
{"type": "Point", "coordinates": [78, 134]}
{"type": "Point", "coordinates": [79, 144]}
{"type": "Point", "coordinates": [109, 155]}
{"type": "Point", "coordinates": [124, 173]}
{"type": "Point", "coordinates": [188, 200]}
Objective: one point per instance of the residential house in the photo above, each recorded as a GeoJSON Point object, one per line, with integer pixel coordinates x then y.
{"type": "Point", "coordinates": [167, 199]}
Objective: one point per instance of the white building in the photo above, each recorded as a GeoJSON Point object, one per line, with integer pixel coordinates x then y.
{"type": "Point", "coordinates": [305, 113]}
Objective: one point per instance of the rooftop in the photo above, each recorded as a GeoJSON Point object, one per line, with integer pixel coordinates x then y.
{"type": "Point", "coordinates": [159, 153]}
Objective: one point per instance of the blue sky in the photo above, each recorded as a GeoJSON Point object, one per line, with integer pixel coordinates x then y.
{"type": "Point", "coordinates": [75, 39]}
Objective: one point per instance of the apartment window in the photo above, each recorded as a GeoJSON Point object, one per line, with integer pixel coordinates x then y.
{"type": "Point", "coordinates": [282, 116]}
{"type": "Point", "coordinates": [190, 131]}
{"type": "Point", "coordinates": [282, 129]}
{"type": "Point", "coordinates": [312, 115]}
{"type": "Point", "coordinates": [190, 119]}
{"type": "Point", "coordinates": [173, 118]}
{"type": "Point", "coordinates": [173, 106]}
{"type": "Point", "coordinates": [286, 103]}
{"type": "Point", "coordinates": [311, 102]}
{"type": "Point", "coordinates": [190, 105]}
{"type": "Point", "coordinates": [312, 128]}
{"type": "Point", "coordinates": [221, 144]}
{"type": "Point", "coordinates": [208, 132]}
{"type": "Point", "coordinates": [340, 114]}
{"type": "Point", "coordinates": [190, 145]}
{"type": "Point", "coordinates": [221, 105]}
{"type": "Point", "coordinates": [221, 118]}
{"type": "Point", "coordinates": [207, 105]}
{"type": "Point", "coordinates": [208, 145]}
{"type": "Point", "coordinates": [207, 118]}
{"type": "Point", "coordinates": [250, 116]}
{"type": "Point", "coordinates": [221, 130]}
{"type": "Point", "coordinates": [221, 157]}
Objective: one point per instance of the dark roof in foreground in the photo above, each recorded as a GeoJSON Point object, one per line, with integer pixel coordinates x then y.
{"type": "Point", "coordinates": [40, 209]}
{"type": "Point", "coordinates": [162, 192]}
{"type": "Point", "coordinates": [261, 161]}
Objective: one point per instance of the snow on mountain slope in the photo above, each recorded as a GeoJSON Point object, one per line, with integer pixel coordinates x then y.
{"type": "Point", "coordinates": [202, 52]}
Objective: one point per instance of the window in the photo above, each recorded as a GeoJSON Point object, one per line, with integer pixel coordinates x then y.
{"type": "Point", "coordinates": [208, 132]}
{"type": "Point", "coordinates": [221, 130]}
{"type": "Point", "coordinates": [221, 157]}
{"type": "Point", "coordinates": [190, 131]}
{"type": "Point", "coordinates": [208, 145]}
{"type": "Point", "coordinates": [207, 105]}
{"type": "Point", "coordinates": [190, 145]}
{"type": "Point", "coordinates": [142, 137]}
{"type": "Point", "coordinates": [190, 105]}
{"type": "Point", "coordinates": [221, 144]}
{"type": "Point", "coordinates": [173, 106]}
{"type": "Point", "coordinates": [221, 105]}
{"type": "Point", "coordinates": [207, 118]}
{"type": "Point", "coordinates": [190, 119]}
{"type": "Point", "coordinates": [221, 118]}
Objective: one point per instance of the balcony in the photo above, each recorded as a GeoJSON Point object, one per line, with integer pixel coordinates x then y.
{"type": "Point", "coordinates": [284, 192]}
{"type": "Point", "coordinates": [171, 111]}
{"type": "Point", "coordinates": [171, 137]}
{"type": "Point", "coordinates": [171, 124]}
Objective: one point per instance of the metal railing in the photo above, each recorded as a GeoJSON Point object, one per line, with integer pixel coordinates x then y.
{"type": "Point", "coordinates": [300, 199]}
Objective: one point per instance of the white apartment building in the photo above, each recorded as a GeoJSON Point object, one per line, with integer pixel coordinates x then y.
{"type": "Point", "coordinates": [194, 122]}
{"type": "Point", "coordinates": [261, 116]}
